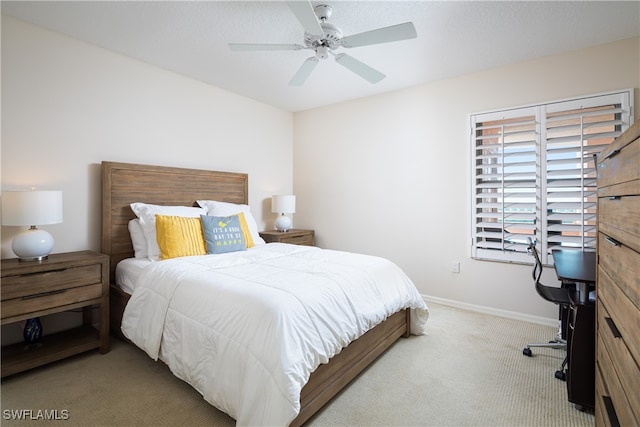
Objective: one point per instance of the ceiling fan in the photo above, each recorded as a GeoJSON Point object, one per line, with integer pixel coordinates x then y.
{"type": "Point", "coordinates": [324, 38]}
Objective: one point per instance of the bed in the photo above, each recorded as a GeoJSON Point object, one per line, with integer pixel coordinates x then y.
{"type": "Point", "coordinates": [124, 183]}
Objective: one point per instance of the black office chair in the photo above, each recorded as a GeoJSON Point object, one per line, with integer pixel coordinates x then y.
{"type": "Point", "coordinates": [555, 295]}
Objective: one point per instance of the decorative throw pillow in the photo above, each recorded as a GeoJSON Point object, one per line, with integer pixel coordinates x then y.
{"type": "Point", "coordinates": [223, 234]}
{"type": "Point", "coordinates": [146, 213]}
{"type": "Point", "coordinates": [179, 236]}
{"type": "Point", "coordinates": [246, 230]}
{"type": "Point", "coordinates": [138, 239]}
{"type": "Point", "coordinates": [215, 208]}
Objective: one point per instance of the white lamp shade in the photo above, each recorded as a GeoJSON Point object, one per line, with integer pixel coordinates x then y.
{"type": "Point", "coordinates": [283, 204]}
{"type": "Point", "coordinates": [27, 208]}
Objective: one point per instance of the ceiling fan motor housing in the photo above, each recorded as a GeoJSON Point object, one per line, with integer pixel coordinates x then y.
{"type": "Point", "coordinates": [332, 35]}
{"type": "Point", "coordinates": [332, 38]}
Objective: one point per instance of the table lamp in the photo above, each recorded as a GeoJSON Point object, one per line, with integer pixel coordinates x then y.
{"type": "Point", "coordinates": [32, 208]}
{"type": "Point", "coordinates": [283, 205]}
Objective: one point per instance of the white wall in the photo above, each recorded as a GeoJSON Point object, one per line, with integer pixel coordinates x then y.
{"type": "Point", "coordinates": [390, 175]}
{"type": "Point", "coordinates": [67, 106]}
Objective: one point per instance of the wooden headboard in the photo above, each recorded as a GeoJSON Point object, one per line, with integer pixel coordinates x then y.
{"type": "Point", "coordinates": [126, 183]}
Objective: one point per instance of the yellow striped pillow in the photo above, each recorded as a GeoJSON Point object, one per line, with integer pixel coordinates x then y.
{"type": "Point", "coordinates": [179, 236]}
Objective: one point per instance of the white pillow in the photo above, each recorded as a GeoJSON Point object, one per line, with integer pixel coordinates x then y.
{"type": "Point", "coordinates": [215, 208]}
{"type": "Point", "coordinates": [146, 213]}
{"type": "Point", "coordinates": [138, 239]}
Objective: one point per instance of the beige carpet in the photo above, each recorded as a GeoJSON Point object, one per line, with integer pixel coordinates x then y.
{"type": "Point", "coordinates": [467, 371]}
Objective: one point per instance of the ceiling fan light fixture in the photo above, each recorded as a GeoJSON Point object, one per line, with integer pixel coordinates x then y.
{"type": "Point", "coordinates": [322, 52]}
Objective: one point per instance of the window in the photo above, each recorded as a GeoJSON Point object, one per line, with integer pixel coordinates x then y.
{"type": "Point", "coordinates": [534, 174]}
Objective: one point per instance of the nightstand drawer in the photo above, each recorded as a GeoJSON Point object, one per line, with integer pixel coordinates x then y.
{"type": "Point", "coordinates": [293, 236]}
{"type": "Point", "coordinates": [27, 285]}
{"type": "Point", "coordinates": [299, 240]}
{"type": "Point", "coordinates": [49, 299]}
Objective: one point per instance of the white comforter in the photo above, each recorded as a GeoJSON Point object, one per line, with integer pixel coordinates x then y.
{"type": "Point", "coordinates": [246, 329]}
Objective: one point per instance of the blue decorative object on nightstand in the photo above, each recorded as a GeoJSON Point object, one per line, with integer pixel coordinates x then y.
{"type": "Point", "coordinates": [32, 330]}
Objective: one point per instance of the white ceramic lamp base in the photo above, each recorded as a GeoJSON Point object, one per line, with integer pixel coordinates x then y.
{"type": "Point", "coordinates": [283, 223]}
{"type": "Point", "coordinates": [32, 244]}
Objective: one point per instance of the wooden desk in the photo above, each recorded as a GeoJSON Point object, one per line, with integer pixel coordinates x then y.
{"type": "Point", "coordinates": [579, 267]}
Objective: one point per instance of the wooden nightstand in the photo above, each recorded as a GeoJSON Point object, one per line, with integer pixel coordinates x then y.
{"type": "Point", "coordinates": [294, 236]}
{"type": "Point", "coordinates": [62, 282]}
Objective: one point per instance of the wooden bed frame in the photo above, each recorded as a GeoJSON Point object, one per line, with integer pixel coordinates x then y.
{"type": "Point", "coordinates": [125, 183]}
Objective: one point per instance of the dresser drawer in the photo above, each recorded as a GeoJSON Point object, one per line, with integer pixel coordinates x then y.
{"type": "Point", "coordinates": [622, 264]}
{"type": "Point", "coordinates": [623, 312]}
{"type": "Point", "coordinates": [50, 299]}
{"type": "Point", "coordinates": [611, 403]}
{"type": "Point", "coordinates": [26, 285]}
{"type": "Point", "coordinates": [619, 165]}
{"type": "Point", "coordinates": [619, 368]}
{"type": "Point", "coordinates": [605, 414]}
{"type": "Point", "coordinates": [617, 334]}
{"type": "Point", "coordinates": [619, 217]}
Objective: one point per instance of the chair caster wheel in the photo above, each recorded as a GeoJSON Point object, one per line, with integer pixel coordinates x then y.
{"type": "Point", "coordinates": [527, 352]}
{"type": "Point", "coordinates": [561, 375]}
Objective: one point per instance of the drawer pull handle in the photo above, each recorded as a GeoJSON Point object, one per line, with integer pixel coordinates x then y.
{"type": "Point", "coordinates": [614, 329]}
{"type": "Point", "coordinates": [613, 197]}
{"type": "Point", "coordinates": [612, 241]}
{"type": "Point", "coordinates": [611, 154]}
{"type": "Point", "coordinates": [44, 294]}
{"type": "Point", "coordinates": [611, 411]}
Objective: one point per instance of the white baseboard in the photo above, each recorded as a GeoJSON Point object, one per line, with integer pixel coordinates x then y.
{"type": "Point", "coordinates": [493, 311]}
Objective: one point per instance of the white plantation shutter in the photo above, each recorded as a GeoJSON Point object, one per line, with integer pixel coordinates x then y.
{"type": "Point", "coordinates": [534, 174]}
{"type": "Point", "coordinates": [575, 132]}
{"type": "Point", "coordinates": [505, 182]}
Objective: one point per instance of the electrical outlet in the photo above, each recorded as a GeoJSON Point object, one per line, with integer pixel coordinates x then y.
{"type": "Point", "coordinates": [455, 267]}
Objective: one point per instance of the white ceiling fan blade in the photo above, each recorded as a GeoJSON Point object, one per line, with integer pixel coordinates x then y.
{"type": "Point", "coordinates": [304, 71]}
{"type": "Point", "coordinates": [381, 35]}
{"type": "Point", "coordinates": [303, 10]}
{"type": "Point", "coordinates": [246, 47]}
{"type": "Point", "coordinates": [363, 70]}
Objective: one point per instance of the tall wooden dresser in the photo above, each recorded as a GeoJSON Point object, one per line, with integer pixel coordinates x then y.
{"type": "Point", "coordinates": [618, 283]}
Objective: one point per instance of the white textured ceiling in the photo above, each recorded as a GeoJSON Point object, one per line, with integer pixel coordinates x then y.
{"type": "Point", "coordinates": [454, 38]}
